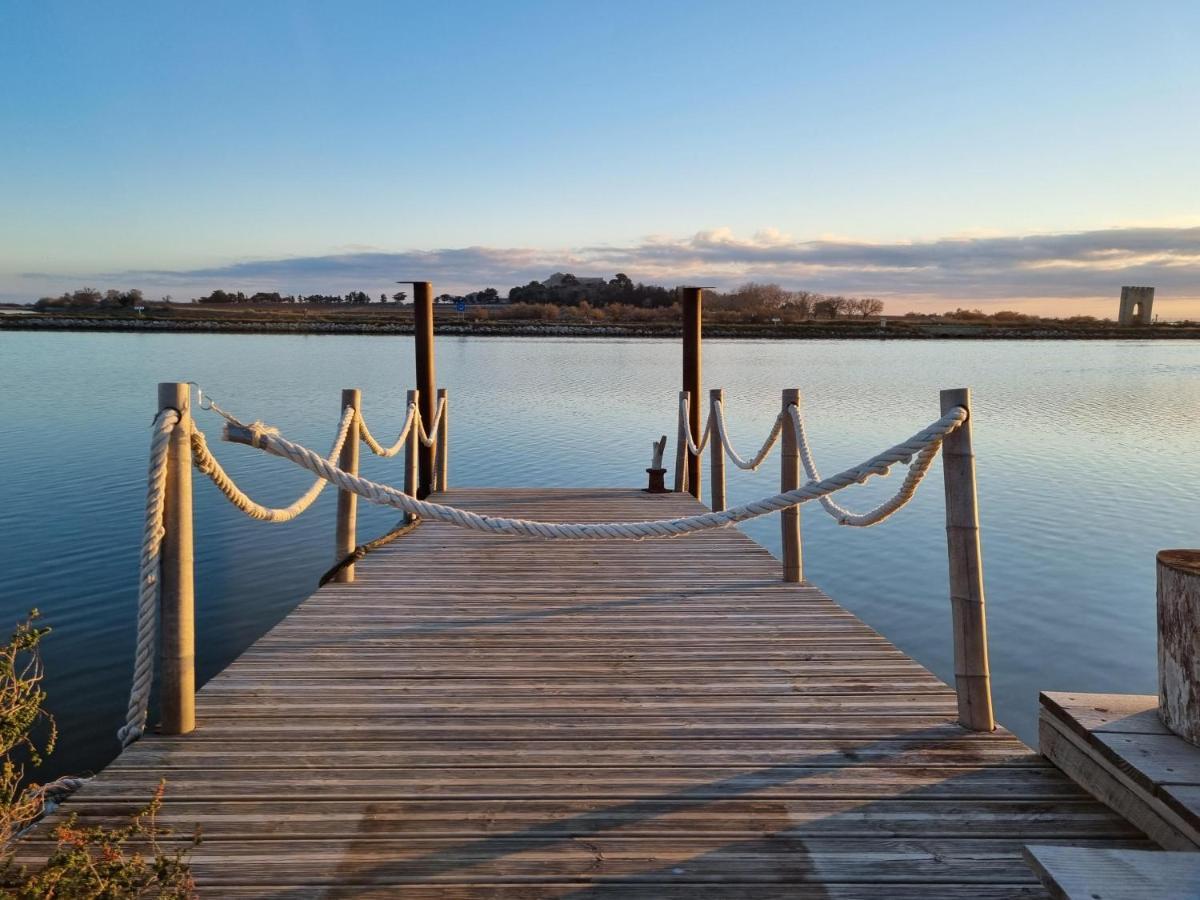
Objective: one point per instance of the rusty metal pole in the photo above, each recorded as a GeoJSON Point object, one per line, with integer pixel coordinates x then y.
{"type": "Point", "coordinates": [426, 378]}
{"type": "Point", "coordinates": [692, 316]}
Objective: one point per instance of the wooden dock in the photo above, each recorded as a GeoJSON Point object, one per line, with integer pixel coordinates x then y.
{"type": "Point", "coordinates": [1117, 746]}
{"type": "Point", "coordinates": [498, 717]}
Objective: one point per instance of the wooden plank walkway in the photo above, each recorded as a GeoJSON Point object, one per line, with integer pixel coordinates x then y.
{"type": "Point", "coordinates": [489, 716]}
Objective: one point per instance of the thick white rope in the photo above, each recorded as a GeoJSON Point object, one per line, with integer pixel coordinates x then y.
{"type": "Point", "coordinates": [148, 579]}
{"type": "Point", "coordinates": [374, 445]}
{"type": "Point", "coordinates": [208, 464]}
{"type": "Point", "coordinates": [272, 442]}
{"type": "Point", "coordinates": [693, 448]}
{"type": "Point", "coordinates": [717, 417]}
{"type": "Point", "coordinates": [916, 473]}
{"type": "Point", "coordinates": [428, 437]}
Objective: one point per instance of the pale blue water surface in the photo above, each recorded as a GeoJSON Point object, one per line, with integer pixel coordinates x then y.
{"type": "Point", "coordinates": [1086, 453]}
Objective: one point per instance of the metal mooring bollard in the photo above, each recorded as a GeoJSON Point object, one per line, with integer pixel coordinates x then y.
{"type": "Point", "coordinates": [658, 483]}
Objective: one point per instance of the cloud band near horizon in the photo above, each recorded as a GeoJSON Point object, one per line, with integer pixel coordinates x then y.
{"type": "Point", "coordinates": [1043, 268]}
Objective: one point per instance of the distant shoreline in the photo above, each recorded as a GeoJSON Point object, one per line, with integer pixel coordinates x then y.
{"type": "Point", "coordinates": [895, 329]}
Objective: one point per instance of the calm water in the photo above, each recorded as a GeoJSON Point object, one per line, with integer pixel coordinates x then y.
{"type": "Point", "coordinates": [1086, 451]}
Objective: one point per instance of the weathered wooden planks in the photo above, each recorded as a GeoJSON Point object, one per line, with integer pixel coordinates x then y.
{"type": "Point", "coordinates": [486, 716]}
{"type": "Point", "coordinates": [1117, 748]}
{"type": "Point", "coordinates": [1077, 873]}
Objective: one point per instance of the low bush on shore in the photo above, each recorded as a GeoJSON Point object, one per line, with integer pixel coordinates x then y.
{"type": "Point", "coordinates": [87, 863]}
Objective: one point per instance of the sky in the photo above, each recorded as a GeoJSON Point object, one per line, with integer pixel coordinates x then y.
{"type": "Point", "coordinates": [1003, 155]}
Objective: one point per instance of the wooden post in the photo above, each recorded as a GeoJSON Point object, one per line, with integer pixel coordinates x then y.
{"type": "Point", "coordinates": [967, 605]}
{"type": "Point", "coordinates": [789, 480]}
{"type": "Point", "coordinates": [177, 657]}
{"type": "Point", "coordinates": [1179, 642]}
{"type": "Point", "coordinates": [347, 505]}
{"type": "Point", "coordinates": [426, 377]}
{"type": "Point", "coordinates": [443, 441]}
{"type": "Point", "coordinates": [716, 453]}
{"type": "Point", "coordinates": [692, 316]}
{"type": "Point", "coordinates": [681, 448]}
{"type": "Point", "coordinates": [657, 481]}
{"type": "Point", "coordinates": [411, 454]}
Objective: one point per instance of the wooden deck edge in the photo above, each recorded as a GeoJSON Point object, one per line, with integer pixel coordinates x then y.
{"type": "Point", "coordinates": [1134, 719]}
{"type": "Point", "coordinates": [1110, 779]}
{"type": "Point", "coordinates": [1079, 873]}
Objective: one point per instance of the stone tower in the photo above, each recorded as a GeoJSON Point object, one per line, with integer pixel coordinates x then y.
{"type": "Point", "coordinates": [1136, 306]}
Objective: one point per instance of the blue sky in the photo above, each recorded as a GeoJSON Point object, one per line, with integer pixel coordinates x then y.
{"type": "Point", "coordinates": [928, 153]}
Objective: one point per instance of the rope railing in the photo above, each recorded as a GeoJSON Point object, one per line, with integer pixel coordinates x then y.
{"type": "Point", "coordinates": [388, 452]}
{"type": "Point", "coordinates": [149, 590]}
{"type": "Point", "coordinates": [208, 465]}
{"type": "Point", "coordinates": [917, 471]}
{"type": "Point", "coordinates": [717, 429]}
{"type": "Point", "coordinates": [272, 442]}
{"type": "Point", "coordinates": [694, 448]}
{"type": "Point", "coordinates": [339, 467]}
{"type": "Point", "coordinates": [428, 438]}
{"type": "Point", "coordinates": [972, 678]}
{"type": "Point", "coordinates": [412, 417]}
{"type": "Point", "coordinates": [717, 424]}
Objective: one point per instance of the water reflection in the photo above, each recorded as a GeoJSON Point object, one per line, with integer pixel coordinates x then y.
{"type": "Point", "coordinates": [1085, 450]}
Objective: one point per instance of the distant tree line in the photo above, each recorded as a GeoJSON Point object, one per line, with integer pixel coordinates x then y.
{"type": "Point", "coordinates": [1006, 317]}
{"type": "Point", "coordinates": [764, 298]}
{"type": "Point", "coordinates": [621, 300]}
{"type": "Point", "coordinates": [486, 297]}
{"type": "Point", "coordinates": [569, 290]}
{"type": "Point", "coordinates": [90, 298]}
{"type": "Point", "coordinates": [265, 298]}
{"type": "Point", "coordinates": [620, 295]}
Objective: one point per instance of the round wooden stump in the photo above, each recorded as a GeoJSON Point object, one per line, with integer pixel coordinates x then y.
{"type": "Point", "coordinates": [1179, 642]}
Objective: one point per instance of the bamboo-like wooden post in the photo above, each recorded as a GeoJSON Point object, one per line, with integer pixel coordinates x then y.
{"type": "Point", "coordinates": [967, 605]}
{"type": "Point", "coordinates": [789, 480]}
{"type": "Point", "coordinates": [347, 505]}
{"type": "Point", "coordinates": [177, 656]}
{"type": "Point", "coordinates": [692, 318]}
{"type": "Point", "coordinates": [443, 442]}
{"type": "Point", "coordinates": [411, 453]}
{"type": "Point", "coordinates": [681, 448]}
{"type": "Point", "coordinates": [426, 377]}
{"type": "Point", "coordinates": [716, 453]}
